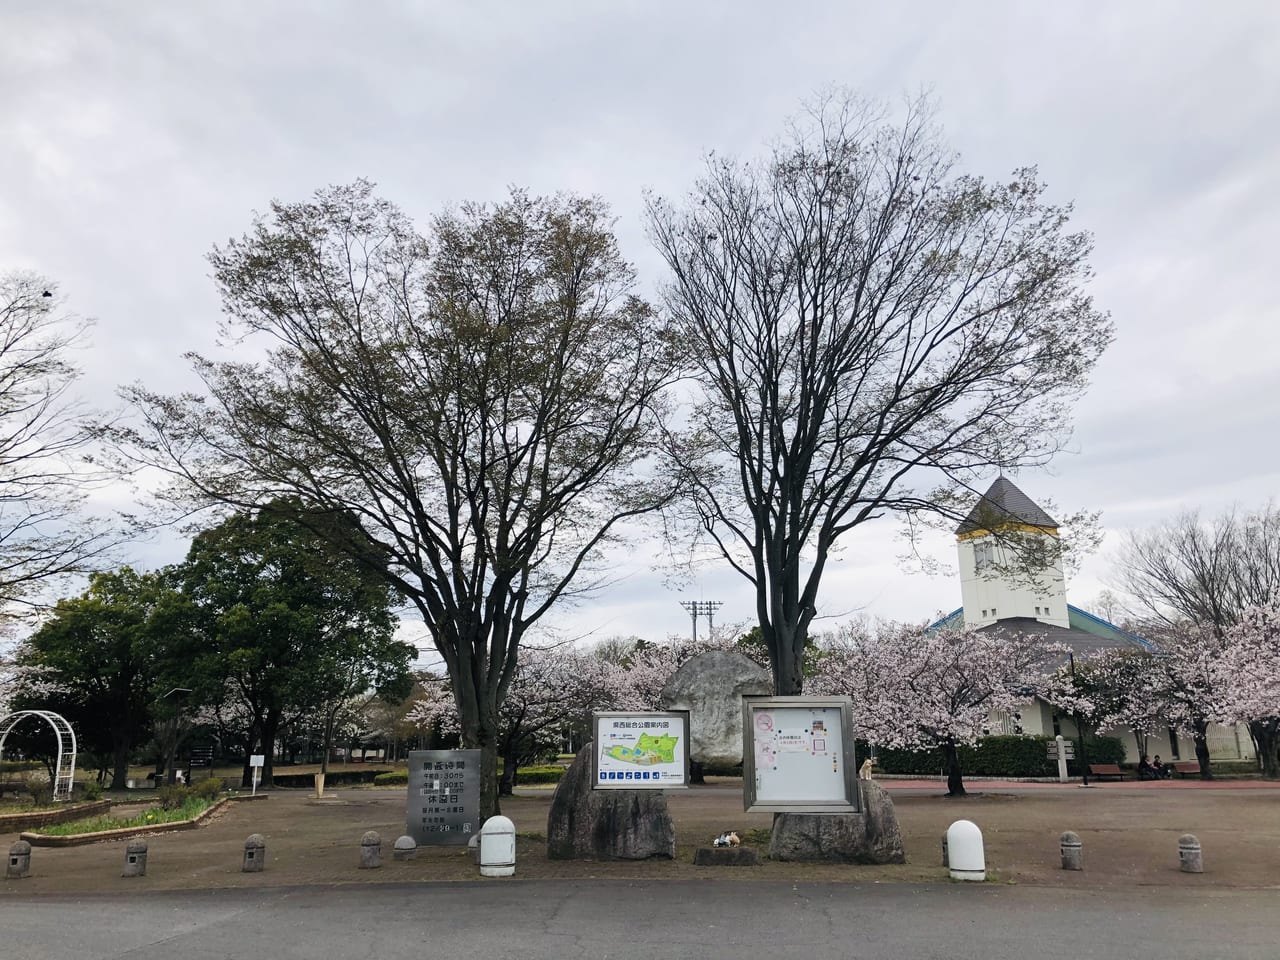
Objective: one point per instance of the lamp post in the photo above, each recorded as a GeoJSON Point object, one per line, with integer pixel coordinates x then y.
{"type": "Point", "coordinates": [1084, 747]}
{"type": "Point", "coordinates": [179, 697]}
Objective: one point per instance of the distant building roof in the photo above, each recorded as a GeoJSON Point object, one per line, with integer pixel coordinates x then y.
{"type": "Point", "coordinates": [1087, 634]}
{"type": "Point", "coordinates": [1004, 503]}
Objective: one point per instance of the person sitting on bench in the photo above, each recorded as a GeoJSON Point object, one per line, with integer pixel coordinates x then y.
{"type": "Point", "coordinates": [1146, 771]}
{"type": "Point", "coordinates": [1162, 772]}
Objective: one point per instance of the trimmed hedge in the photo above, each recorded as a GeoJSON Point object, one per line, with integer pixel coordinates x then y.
{"type": "Point", "coordinates": [525, 776]}
{"type": "Point", "coordinates": [334, 778]}
{"type": "Point", "coordinates": [994, 757]}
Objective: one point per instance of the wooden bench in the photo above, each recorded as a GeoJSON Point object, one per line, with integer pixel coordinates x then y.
{"type": "Point", "coordinates": [1185, 768]}
{"type": "Point", "coordinates": [1101, 770]}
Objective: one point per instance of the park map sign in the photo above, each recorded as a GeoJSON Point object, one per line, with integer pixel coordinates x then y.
{"type": "Point", "coordinates": [640, 751]}
{"type": "Point", "coordinates": [798, 755]}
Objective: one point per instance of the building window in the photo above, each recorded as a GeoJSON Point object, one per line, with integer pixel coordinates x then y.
{"type": "Point", "coordinates": [984, 614]}
{"type": "Point", "coordinates": [993, 611]}
{"type": "Point", "coordinates": [983, 556]}
{"type": "Point", "coordinates": [1037, 611]}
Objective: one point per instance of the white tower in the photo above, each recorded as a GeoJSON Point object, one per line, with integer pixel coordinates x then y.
{"type": "Point", "coordinates": [995, 583]}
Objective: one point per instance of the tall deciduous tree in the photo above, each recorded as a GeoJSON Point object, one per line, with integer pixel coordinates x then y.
{"type": "Point", "coordinates": [99, 658]}
{"type": "Point", "coordinates": [286, 624]}
{"type": "Point", "coordinates": [914, 688]}
{"type": "Point", "coordinates": [481, 399]}
{"type": "Point", "coordinates": [43, 435]}
{"type": "Point", "coordinates": [872, 330]}
{"type": "Point", "coordinates": [1249, 669]}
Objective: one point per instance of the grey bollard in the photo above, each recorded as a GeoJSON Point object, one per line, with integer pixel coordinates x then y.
{"type": "Point", "coordinates": [135, 859]}
{"type": "Point", "coordinates": [255, 854]}
{"type": "Point", "coordinates": [370, 851]}
{"type": "Point", "coordinates": [1072, 851]}
{"type": "Point", "coordinates": [1189, 854]}
{"type": "Point", "coordinates": [405, 849]}
{"type": "Point", "coordinates": [946, 861]}
{"type": "Point", "coordinates": [19, 861]}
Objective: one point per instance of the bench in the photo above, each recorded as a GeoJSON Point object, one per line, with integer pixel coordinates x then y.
{"type": "Point", "coordinates": [1101, 770]}
{"type": "Point", "coordinates": [1185, 768]}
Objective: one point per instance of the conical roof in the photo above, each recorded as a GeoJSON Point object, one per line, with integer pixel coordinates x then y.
{"type": "Point", "coordinates": [1004, 503]}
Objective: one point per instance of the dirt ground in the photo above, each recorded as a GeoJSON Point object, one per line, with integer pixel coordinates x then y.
{"type": "Point", "coordinates": [1130, 835]}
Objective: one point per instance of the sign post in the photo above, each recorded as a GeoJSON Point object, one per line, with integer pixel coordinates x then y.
{"type": "Point", "coordinates": [1062, 750]}
{"type": "Point", "coordinates": [640, 751]}
{"type": "Point", "coordinates": [798, 755]}
{"type": "Point", "coordinates": [256, 761]}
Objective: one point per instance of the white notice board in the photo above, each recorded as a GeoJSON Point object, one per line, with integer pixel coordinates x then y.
{"type": "Point", "coordinates": [798, 755]}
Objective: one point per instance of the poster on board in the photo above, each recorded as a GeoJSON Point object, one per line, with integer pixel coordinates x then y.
{"type": "Point", "coordinates": [640, 751]}
{"type": "Point", "coordinates": [798, 755]}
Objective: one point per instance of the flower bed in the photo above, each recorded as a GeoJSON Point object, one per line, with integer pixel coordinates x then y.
{"type": "Point", "coordinates": [33, 819]}
{"type": "Point", "coordinates": [151, 820]}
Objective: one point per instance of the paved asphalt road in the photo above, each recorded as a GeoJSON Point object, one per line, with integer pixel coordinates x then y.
{"type": "Point", "coordinates": [707, 920]}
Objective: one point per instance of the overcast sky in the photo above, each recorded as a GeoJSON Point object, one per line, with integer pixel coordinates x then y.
{"type": "Point", "coordinates": [134, 135]}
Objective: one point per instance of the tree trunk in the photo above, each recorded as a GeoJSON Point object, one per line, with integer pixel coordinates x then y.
{"type": "Point", "coordinates": [787, 659]}
{"type": "Point", "coordinates": [120, 763]}
{"type": "Point", "coordinates": [270, 726]}
{"type": "Point", "coordinates": [1199, 736]}
{"type": "Point", "coordinates": [955, 777]}
{"type": "Point", "coordinates": [507, 782]}
{"type": "Point", "coordinates": [695, 772]}
{"type": "Point", "coordinates": [327, 748]}
{"type": "Point", "coordinates": [1266, 739]}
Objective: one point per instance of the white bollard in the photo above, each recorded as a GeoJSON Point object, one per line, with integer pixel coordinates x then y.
{"type": "Point", "coordinates": [964, 849]}
{"type": "Point", "coordinates": [498, 847]}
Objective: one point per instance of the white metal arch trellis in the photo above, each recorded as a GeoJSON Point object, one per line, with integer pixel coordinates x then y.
{"type": "Point", "coordinates": [65, 769]}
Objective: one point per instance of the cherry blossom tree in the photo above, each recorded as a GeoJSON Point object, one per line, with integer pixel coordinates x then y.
{"type": "Point", "coordinates": [917, 689]}
{"type": "Point", "coordinates": [1248, 672]}
{"type": "Point", "coordinates": [1189, 681]}
{"type": "Point", "coordinates": [553, 688]}
{"type": "Point", "coordinates": [1111, 690]}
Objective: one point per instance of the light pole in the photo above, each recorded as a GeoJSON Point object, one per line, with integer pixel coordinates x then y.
{"type": "Point", "coordinates": [1084, 746]}
{"type": "Point", "coordinates": [179, 697]}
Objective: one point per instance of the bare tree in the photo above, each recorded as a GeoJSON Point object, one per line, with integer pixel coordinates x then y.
{"type": "Point", "coordinates": [873, 332]}
{"type": "Point", "coordinates": [482, 400]}
{"type": "Point", "coordinates": [44, 476]}
{"type": "Point", "coordinates": [1208, 574]}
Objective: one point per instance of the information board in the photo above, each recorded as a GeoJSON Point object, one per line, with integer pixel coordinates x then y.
{"type": "Point", "coordinates": [641, 751]}
{"type": "Point", "coordinates": [444, 796]}
{"type": "Point", "coordinates": [798, 755]}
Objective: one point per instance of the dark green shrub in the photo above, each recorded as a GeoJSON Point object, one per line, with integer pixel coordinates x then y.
{"type": "Point", "coordinates": [526, 776]}
{"type": "Point", "coordinates": [89, 790]}
{"type": "Point", "coordinates": [391, 778]}
{"type": "Point", "coordinates": [172, 796]}
{"type": "Point", "coordinates": [994, 757]}
{"type": "Point", "coordinates": [208, 789]}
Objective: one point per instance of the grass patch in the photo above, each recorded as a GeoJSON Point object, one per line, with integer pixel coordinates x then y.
{"type": "Point", "coordinates": [189, 808]}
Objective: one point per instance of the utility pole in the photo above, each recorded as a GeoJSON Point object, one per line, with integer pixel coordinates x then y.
{"type": "Point", "coordinates": [706, 608]}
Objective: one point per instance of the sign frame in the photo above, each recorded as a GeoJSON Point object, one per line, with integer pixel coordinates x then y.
{"type": "Point", "coordinates": [449, 827]}
{"type": "Point", "coordinates": [682, 716]}
{"type": "Point", "coordinates": [852, 801]}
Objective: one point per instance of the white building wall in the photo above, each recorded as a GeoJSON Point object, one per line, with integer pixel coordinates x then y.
{"type": "Point", "coordinates": [988, 598]}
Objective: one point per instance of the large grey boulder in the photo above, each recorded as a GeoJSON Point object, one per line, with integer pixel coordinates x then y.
{"type": "Point", "coordinates": [872, 836]}
{"type": "Point", "coordinates": [586, 824]}
{"type": "Point", "coordinates": [711, 687]}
